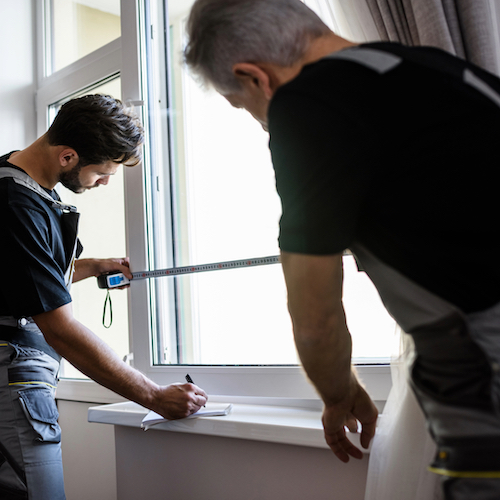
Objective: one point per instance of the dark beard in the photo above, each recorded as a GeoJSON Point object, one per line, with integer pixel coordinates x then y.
{"type": "Point", "coordinates": [71, 179]}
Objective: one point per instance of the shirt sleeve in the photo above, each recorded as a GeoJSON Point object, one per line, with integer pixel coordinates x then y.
{"type": "Point", "coordinates": [322, 172]}
{"type": "Point", "coordinates": [33, 274]}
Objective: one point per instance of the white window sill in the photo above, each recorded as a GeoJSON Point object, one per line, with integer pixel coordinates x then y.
{"type": "Point", "coordinates": [376, 380]}
{"type": "Point", "coordinates": [275, 424]}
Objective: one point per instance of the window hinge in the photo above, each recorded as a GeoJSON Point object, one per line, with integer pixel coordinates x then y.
{"type": "Point", "coordinates": [129, 358]}
{"type": "Point", "coordinates": [129, 103]}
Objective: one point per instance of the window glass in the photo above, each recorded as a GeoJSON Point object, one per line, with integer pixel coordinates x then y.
{"type": "Point", "coordinates": [78, 27]}
{"type": "Point", "coordinates": [102, 233]}
{"type": "Point", "coordinates": [224, 206]}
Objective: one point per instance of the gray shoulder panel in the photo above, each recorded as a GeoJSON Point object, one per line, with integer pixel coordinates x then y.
{"type": "Point", "coordinates": [376, 60]}
{"type": "Point", "coordinates": [481, 86]}
{"type": "Point", "coordinates": [410, 304]}
{"type": "Point", "coordinates": [25, 180]}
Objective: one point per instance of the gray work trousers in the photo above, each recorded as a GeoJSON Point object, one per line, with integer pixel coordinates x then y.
{"type": "Point", "coordinates": [455, 376]}
{"type": "Point", "coordinates": [30, 448]}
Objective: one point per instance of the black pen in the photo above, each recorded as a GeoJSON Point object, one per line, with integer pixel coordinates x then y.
{"type": "Point", "coordinates": [189, 380]}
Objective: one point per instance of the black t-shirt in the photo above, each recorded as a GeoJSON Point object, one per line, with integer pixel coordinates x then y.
{"type": "Point", "coordinates": [403, 162]}
{"type": "Point", "coordinates": [32, 251]}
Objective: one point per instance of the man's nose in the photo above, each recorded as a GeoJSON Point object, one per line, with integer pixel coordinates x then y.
{"type": "Point", "coordinates": [103, 180]}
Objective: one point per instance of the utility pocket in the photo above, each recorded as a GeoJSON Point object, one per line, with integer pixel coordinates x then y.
{"type": "Point", "coordinates": [41, 411]}
{"type": "Point", "coordinates": [450, 367]}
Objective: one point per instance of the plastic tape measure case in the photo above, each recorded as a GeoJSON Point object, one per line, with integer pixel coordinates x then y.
{"type": "Point", "coordinates": [112, 280]}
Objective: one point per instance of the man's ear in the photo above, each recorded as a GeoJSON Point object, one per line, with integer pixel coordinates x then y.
{"type": "Point", "coordinates": [254, 77]}
{"type": "Point", "coordinates": [68, 158]}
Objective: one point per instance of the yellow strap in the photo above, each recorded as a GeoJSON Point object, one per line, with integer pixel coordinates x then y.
{"type": "Point", "coordinates": [466, 474]}
{"type": "Point", "coordinates": [33, 382]}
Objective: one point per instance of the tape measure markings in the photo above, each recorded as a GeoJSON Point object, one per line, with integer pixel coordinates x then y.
{"type": "Point", "coordinates": [233, 264]}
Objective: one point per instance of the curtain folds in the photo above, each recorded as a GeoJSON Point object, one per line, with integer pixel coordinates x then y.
{"type": "Point", "coordinates": [461, 27]}
{"type": "Point", "coordinates": [402, 447]}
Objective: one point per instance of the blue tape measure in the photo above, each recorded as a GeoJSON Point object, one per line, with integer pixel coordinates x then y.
{"type": "Point", "coordinates": [117, 279]}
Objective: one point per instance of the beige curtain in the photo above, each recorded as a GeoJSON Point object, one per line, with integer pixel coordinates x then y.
{"type": "Point", "coordinates": [466, 28]}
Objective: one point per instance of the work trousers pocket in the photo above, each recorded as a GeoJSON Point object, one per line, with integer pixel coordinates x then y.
{"type": "Point", "coordinates": [40, 409]}
{"type": "Point", "coordinates": [450, 367]}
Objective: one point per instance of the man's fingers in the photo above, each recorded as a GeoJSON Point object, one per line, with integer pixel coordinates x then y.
{"type": "Point", "coordinates": [200, 392]}
{"type": "Point", "coordinates": [352, 424]}
{"type": "Point", "coordinates": [198, 396]}
{"type": "Point", "coordinates": [367, 433]}
{"type": "Point", "coordinates": [342, 447]}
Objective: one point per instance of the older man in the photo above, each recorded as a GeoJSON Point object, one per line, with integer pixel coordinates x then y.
{"type": "Point", "coordinates": [387, 151]}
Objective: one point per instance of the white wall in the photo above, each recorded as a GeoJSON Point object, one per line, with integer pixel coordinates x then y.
{"type": "Point", "coordinates": [161, 465]}
{"type": "Point", "coordinates": [18, 75]}
{"type": "Point", "coordinates": [88, 452]}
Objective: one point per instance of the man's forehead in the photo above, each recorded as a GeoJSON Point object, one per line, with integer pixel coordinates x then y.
{"type": "Point", "coordinates": [109, 167]}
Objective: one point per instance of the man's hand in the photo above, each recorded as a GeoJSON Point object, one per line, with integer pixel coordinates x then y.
{"type": "Point", "coordinates": [314, 285]}
{"type": "Point", "coordinates": [84, 268]}
{"type": "Point", "coordinates": [357, 406]}
{"type": "Point", "coordinates": [180, 400]}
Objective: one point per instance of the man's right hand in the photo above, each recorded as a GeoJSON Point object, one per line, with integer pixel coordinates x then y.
{"type": "Point", "coordinates": [357, 406]}
{"type": "Point", "coordinates": [92, 356]}
{"type": "Point", "coordinates": [179, 400]}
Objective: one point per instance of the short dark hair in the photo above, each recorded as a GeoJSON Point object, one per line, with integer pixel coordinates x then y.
{"type": "Point", "coordinates": [99, 129]}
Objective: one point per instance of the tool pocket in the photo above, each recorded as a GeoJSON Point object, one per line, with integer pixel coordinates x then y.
{"type": "Point", "coordinates": [40, 409]}
{"type": "Point", "coordinates": [450, 367]}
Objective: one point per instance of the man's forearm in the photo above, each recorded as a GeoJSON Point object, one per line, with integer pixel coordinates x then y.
{"type": "Point", "coordinates": [323, 342]}
{"type": "Point", "coordinates": [314, 285]}
{"type": "Point", "coordinates": [96, 359]}
{"type": "Point", "coordinates": [325, 354]}
{"type": "Point", "coordinates": [93, 357]}
{"type": "Point", "coordinates": [85, 268]}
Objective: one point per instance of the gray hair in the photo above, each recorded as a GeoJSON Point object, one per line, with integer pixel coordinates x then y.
{"type": "Point", "coordinates": [222, 33]}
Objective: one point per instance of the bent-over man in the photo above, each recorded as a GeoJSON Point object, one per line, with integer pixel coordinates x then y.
{"type": "Point", "coordinates": [387, 151]}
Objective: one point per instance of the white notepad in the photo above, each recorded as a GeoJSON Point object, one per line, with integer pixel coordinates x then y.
{"type": "Point", "coordinates": [210, 410]}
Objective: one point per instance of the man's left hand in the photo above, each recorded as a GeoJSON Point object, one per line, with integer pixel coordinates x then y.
{"type": "Point", "coordinates": [84, 268]}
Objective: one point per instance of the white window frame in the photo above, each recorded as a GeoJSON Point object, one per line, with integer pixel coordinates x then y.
{"type": "Point", "coordinates": [251, 381]}
{"type": "Point", "coordinates": [124, 56]}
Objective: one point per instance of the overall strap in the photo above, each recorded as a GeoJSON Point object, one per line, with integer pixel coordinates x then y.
{"type": "Point", "coordinates": [25, 331]}
{"type": "Point", "coordinates": [383, 61]}
{"type": "Point", "coordinates": [23, 179]}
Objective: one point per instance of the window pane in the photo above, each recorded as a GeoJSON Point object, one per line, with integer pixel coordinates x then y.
{"type": "Point", "coordinates": [225, 207]}
{"type": "Point", "coordinates": [236, 317]}
{"type": "Point", "coordinates": [102, 233]}
{"type": "Point", "coordinates": [78, 27]}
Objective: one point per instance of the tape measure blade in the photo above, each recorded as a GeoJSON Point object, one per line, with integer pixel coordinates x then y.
{"type": "Point", "coordinates": [215, 266]}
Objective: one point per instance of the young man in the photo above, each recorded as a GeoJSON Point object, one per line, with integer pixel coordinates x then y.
{"type": "Point", "coordinates": [387, 151]}
{"type": "Point", "coordinates": [88, 141]}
